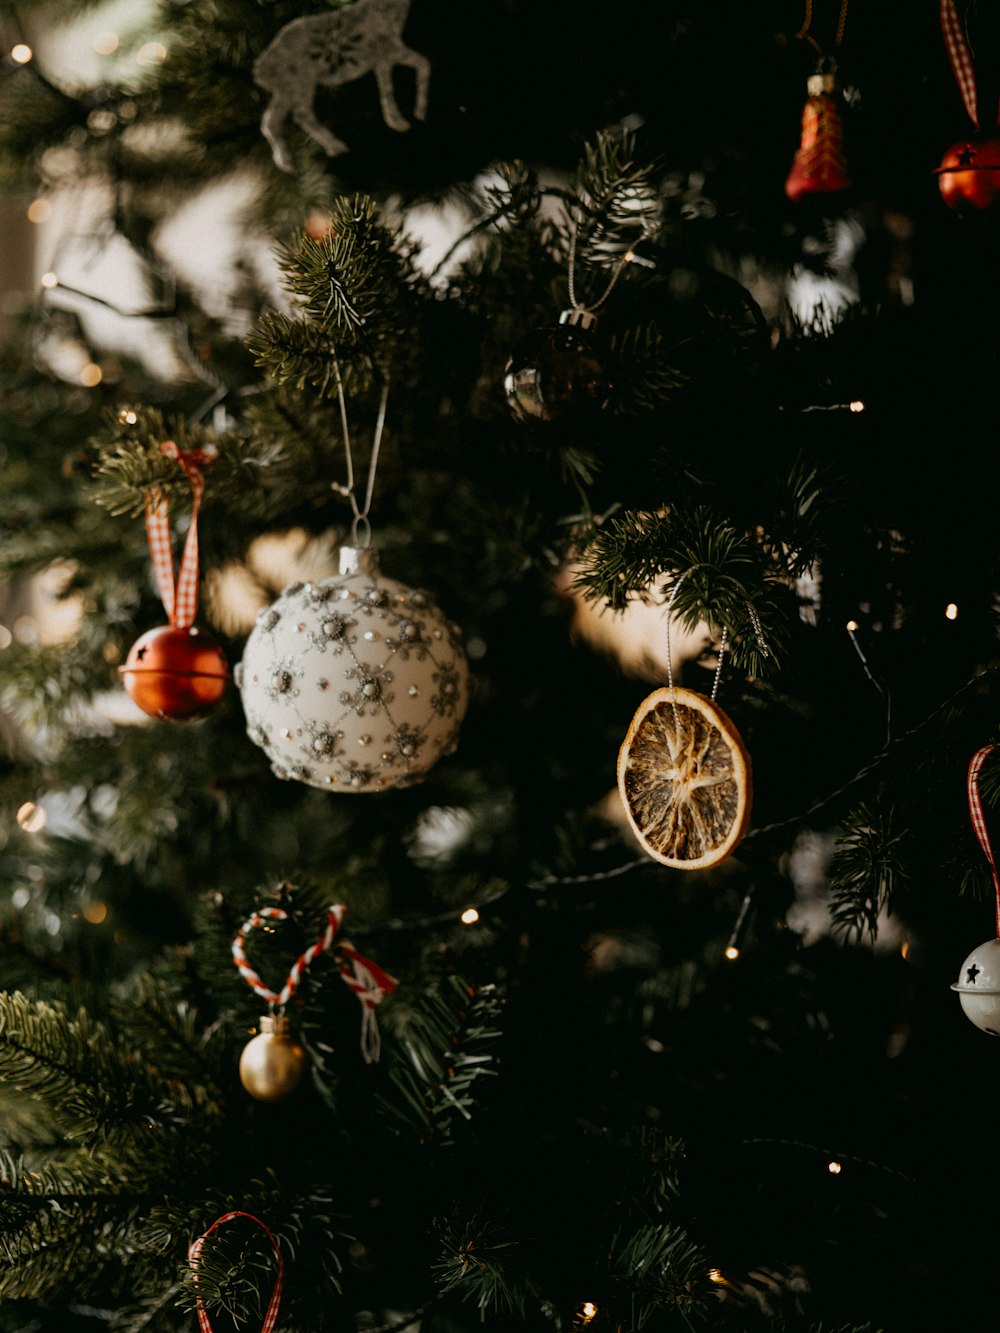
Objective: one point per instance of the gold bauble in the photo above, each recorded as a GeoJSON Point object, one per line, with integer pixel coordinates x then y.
{"type": "Point", "coordinates": [272, 1063]}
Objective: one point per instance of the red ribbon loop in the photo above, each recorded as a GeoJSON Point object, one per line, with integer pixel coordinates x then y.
{"type": "Point", "coordinates": [366, 979]}
{"type": "Point", "coordinates": [180, 604]}
{"type": "Point", "coordinates": [979, 821]}
{"type": "Point", "coordinates": [961, 59]}
{"type": "Point", "coordinates": [194, 1254]}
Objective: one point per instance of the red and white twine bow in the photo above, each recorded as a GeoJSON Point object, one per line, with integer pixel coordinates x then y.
{"type": "Point", "coordinates": [961, 59]}
{"type": "Point", "coordinates": [194, 1254]}
{"type": "Point", "coordinates": [979, 822]}
{"type": "Point", "coordinates": [365, 978]}
{"type": "Point", "coordinates": [180, 604]}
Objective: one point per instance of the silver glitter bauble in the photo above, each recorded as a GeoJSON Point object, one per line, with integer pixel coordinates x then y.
{"type": "Point", "coordinates": [354, 683]}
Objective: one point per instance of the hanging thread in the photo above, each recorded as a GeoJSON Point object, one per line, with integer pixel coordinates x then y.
{"type": "Point", "coordinates": [723, 641]}
{"type": "Point", "coordinates": [361, 528]}
{"type": "Point", "coordinates": [804, 35]}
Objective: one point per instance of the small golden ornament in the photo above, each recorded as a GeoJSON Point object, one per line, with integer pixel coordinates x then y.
{"type": "Point", "coordinates": [272, 1063]}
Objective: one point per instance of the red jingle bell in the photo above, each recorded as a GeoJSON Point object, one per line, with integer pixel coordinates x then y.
{"type": "Point", "coordinates": [175, 673]}
{"type": "Point", "coordinates": [969, 174]}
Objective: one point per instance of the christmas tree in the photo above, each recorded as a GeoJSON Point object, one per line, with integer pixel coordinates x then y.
{"type": "Point", "coordinates": [498, 607]}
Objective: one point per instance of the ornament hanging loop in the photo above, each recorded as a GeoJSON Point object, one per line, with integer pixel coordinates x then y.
{"type": "Point", "coordinates": [361, 528]}
{"type": "Point", "coordinates": [194, 1257]}
{"type": "Point", "coordinates": [365, 978]}
{"type": "Point", "coordinates": [180, 599]}
{"type": "Point", "coordinates": [979, 820]}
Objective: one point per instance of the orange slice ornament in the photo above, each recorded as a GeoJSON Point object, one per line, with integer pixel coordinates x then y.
{"type": "Point", "coordinates": [685, 780]}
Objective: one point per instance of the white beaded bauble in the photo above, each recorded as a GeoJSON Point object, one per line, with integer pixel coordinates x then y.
{"type": "Point", "coordinates": [354, 683]}
{"type": "Point", "coordinates": [978, 987]}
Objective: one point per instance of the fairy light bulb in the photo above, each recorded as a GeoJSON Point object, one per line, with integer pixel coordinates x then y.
{"type": "Point", "coordinates": [152, 53]}
{"type": "Point", "coordinates": [91, 375]}
{"type": "Point", "coordinates": [49, 280]}
{"type": "Point", "coordinates": [715, 1276]}
{"type": "Point", "coordinates": [95, 912]}
{"type": "Point", "coordinates": [21, 53]}
{"type": "Point", "coordinates": [857, 405]}
{"type": "Point", "coordinates": [126, 417]}
{"type": "Point", "coordinates": [851, 626]}
{"type": "Point", "coordinates": [587, 1312]}
{"type": "Point", "coordinates": [834, 1168]}
{"type": "Point", "coordinates": [732, 952]}
{"type": "Point", "coordinates": [31, 817]}
{"type": "Point", "coordinates": [470, 916]}
{"type": "Point", "coordinates": [951, 611]}
{"type": "Point", "coordinates": [39, 210]}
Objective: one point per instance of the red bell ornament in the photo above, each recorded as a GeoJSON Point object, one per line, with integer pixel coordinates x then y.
{"type": "Point", "coordinates": [969, 174]}
{"type": "Point", "coordinates": [176, 674]}
{"type": "Point", "coordinates": [820, 166]}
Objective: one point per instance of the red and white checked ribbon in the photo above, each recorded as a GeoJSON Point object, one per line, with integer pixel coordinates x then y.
{"type": "Point", "coordinates": [194, 1254]}
{"type": "Point", "coordinates": [180, 604]}
{"type": "Point", "coordinates": [961, 60]}
{"type": "Point", "coordinates": [365, 978]}
{"type": "Point", "coordinates": [979, 822]}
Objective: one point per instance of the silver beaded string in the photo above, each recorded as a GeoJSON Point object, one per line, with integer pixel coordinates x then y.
{"type": "Point", "coordinates": [723, 643]}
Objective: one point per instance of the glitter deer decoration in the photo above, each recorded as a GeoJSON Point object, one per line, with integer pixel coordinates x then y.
{"type": "Point", "coordinates": [327, 50]}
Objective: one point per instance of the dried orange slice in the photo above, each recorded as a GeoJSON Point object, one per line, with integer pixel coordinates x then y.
{"type": "Point", "coordinates": [684, 778]}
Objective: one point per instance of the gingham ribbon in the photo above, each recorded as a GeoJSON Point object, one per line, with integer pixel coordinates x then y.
{"type": "Point", "coordinates": [978, 821]}
{"type": "Point", "coordinates": [961, 58]}
{"type": "Point", "coordinates": [194, 1254]}
{"type": "Point", "coordinates": [365, 978]}
{"type": "Point", "coordinates": [180, 604]}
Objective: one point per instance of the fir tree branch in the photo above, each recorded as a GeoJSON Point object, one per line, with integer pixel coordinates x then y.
{"type": "Point", "coordinates": [714, 572]}
{"type": "Point", "coordinates": [482, 1265]}
{"type": "Point", "coordinates": [441, 1050]}
{"type": "Point", "coordinates": [869, 869]}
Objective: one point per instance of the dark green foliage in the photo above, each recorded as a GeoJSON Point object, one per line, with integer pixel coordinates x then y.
{"type": "Point", "coordinates": [443, 1049]}
{"type": "Point", "coordinates": [580, 1098]}
{"type": "Point", "coordinates": [717, 573]}
{"type": "Point", "coordinates": [481, 1265]}
{"type": "Point", "coordinates": [869, 869]}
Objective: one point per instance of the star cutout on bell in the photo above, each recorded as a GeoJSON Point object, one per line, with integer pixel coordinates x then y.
{"type": "Point", "coordinates": [971, 974]}
{"type": "Point", "coordinates": [966, 155]}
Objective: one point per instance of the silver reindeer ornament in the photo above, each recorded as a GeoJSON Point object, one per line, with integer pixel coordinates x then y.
{"type": "Point", "coordinates": [326, 50]}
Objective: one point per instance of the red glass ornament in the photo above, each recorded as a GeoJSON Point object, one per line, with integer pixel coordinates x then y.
{"type": "Point", "coordinates": [969, 174]}
{"type": "Point", "coordinates": [820, 166]}
{"type": "Point", "coordinates": [175, 674]}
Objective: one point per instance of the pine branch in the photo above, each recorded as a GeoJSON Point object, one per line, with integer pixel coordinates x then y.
{"type": "Point", "coordinates": [719, 574]}
{"type": "Point", "coordinates": [642, 375]}
{"type": "Point", "coordinates": [99, 1093]}
{"type": "Point", "coordinates": [151, 1018]}
{"type": "Point", "coordinates": [661, 1270]}
{"type": "Point", "coordinates": [353, 289]}
{"type": "Point", "coordinates": [483, 1266]}
{"type": "Point", "coordinates": [869, 869]}
{"type": "Point", "coordinates": [614, 192]}
{"type": "Point", "coordinates": [441, 1050]}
